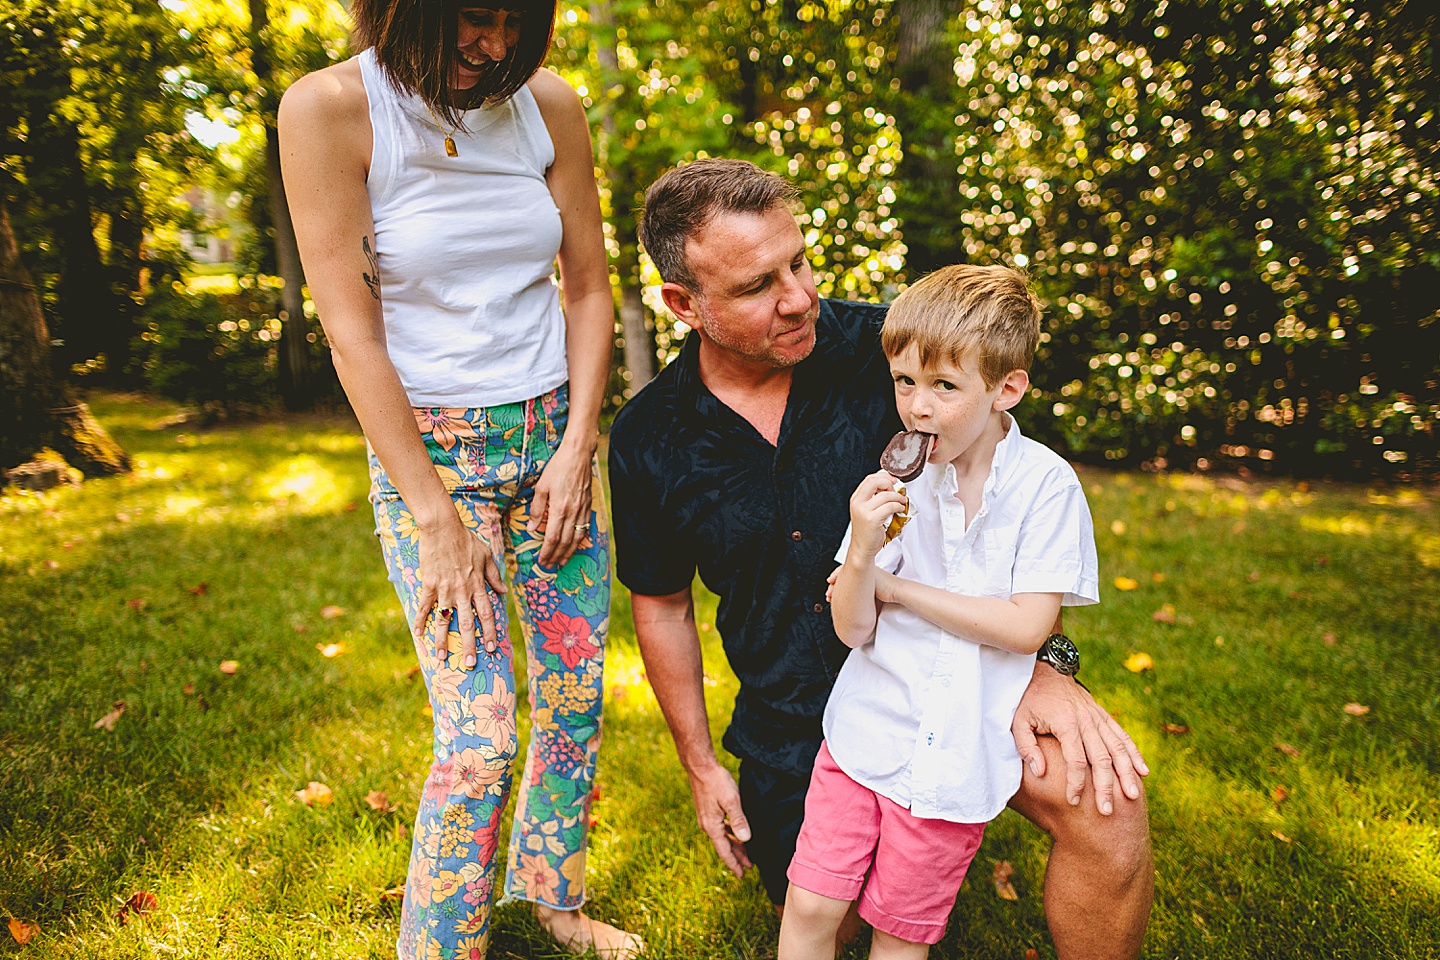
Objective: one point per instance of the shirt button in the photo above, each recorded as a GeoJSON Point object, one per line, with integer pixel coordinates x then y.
{"type": "Point", "coordinates": [819, 608]}
{"type": "Point", "coordinates": [797, 536]}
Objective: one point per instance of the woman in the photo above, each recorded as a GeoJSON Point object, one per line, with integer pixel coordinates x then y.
{"type": "Point", "coordinates": [434, 180]}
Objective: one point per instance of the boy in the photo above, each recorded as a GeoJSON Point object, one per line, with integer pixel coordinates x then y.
{"type": "Point", "coordinates": [944, 623]}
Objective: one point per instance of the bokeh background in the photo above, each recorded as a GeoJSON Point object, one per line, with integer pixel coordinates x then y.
{"type": "Point", "coordinates": [1229, 206]}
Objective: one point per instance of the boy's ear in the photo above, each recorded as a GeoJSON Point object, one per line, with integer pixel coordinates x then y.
{"type": "Point", "coordinates": [1012, 389]}
{"type": "Point", "coordinates": [680, 301]}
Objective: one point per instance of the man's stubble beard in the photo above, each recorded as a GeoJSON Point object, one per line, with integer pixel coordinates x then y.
{"type": "Point", "coordinates": [721, 338]}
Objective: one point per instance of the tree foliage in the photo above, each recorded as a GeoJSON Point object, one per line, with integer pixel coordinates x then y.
{"type": "Point", "coordinates": [1230, 206]}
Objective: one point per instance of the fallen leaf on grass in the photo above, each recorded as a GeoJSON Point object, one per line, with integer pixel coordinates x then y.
{"type": "Point", "coordinates": [1288, 750]}
{"type": "Point", "coordinates": [1157, 578]}
{"type": "Point", "coordinates": [1176, 729]}
{"type": "Point", "coordinates": [1279, 795]}
{"type": "Point", "coordinates": [1032, 954]}
{"type": "Point", "coordinates": [1356, 709]}
{"type": "Point", "coordinates": [142, 903]}
{"type": "Point", "coordinates": [107, 722]}
{"type": "Point", "coordinates": [1254, 576]}
{"type": "Point", "coordinates": [1329, 639]}
{"type": "Point", "coordinates": [400, 832]}
{"type": "Point", "coordinates": [1239, 527]}
{"type": "Point", "coordinates": [394, 893]}
{"type": "Point", "coordinates": [299, 628]}
{"type": "Point", "coordinates": [330, 611]}
{"type": "Point", "coordinates": [1117, 527]}
{"type": "Point", "coordinates": [379, 801]}
{"type": "Point", "coordinates": [351, 507]}
{"type": "Point", "coordinates": [1125, 583]}
{"type": "Point", "coordinates": [200, 589]}
{"type": "Point", "coordinates": [1280, 836]}
{"type": "Point", "coordinates": [315, 794]}
{"type": "Point", "coordinates": [1166, 614]}
{"type": "Point", "coordinates": [188, 689]}
{"type": "Point", "coordinates": [1139, 663]}
{"type": "Point", "coordinates": [139, 603]}
{"type": "Point", "coordinates": [228, 667]}
{"type": "Point", "coordinates": [52, 564]}
{"type": "Point", "coordinates": [413, 672]}
{"type": "Point", "coordinates": [330, 650]}
{"type": "Point", "coordinates": [23, 930]}
{"type": "Point", "coordinates": [1003, 887]}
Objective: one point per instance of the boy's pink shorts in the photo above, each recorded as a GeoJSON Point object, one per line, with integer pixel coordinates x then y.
{"type": "Point", "coordinates": [857, 845]}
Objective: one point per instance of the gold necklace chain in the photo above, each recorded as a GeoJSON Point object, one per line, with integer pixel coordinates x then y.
{"type": "Point", "coordinates": [450, 150]}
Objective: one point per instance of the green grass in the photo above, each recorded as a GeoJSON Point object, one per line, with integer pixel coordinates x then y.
{"type": "Point", "coordinates": [191, 796]}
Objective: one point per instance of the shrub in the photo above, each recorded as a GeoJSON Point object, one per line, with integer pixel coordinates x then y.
{"type": "Point", "coordinates": [214, 351]}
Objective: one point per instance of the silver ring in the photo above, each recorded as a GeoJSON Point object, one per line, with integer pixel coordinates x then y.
{"type": "Point", "coordinates": [582, 527]}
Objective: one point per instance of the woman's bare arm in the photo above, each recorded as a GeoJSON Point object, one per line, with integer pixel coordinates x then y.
{"type": "Point", "coordinates": [325, 143]}
{"type": "Point", "coordinates": [563, 496]}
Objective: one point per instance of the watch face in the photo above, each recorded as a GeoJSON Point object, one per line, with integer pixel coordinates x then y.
{"type": "Point", "coordinates": [1061, 653]}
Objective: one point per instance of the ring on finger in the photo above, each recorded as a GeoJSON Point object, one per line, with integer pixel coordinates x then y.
{"type": "Point", "coordinates": [446, 613]}
{"type": "Point", "coordinates": [582, 527]}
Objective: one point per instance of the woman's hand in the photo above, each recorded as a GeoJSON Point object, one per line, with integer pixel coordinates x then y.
{"type": "Point", "coordinates": [562, 504]}
{"type": "Point", "coordinates": [456, 565]}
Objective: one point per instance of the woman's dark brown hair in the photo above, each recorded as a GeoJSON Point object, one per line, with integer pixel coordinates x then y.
{"type": "Point", "coordinates": [414, 42]}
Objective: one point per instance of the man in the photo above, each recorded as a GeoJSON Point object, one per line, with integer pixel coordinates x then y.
{"type": "Point", "coordinates": [738, 461]}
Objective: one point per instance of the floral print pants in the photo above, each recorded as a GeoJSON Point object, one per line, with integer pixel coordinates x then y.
{"type": "Point", "coordinates": [490, 459]}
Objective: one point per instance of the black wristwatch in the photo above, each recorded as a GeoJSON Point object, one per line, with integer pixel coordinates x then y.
{"type": "Point", "coordinates": [1060, 653]}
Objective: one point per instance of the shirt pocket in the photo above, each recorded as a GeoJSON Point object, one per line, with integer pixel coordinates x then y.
{"type": "Point", "coordinates": [1000, 544]}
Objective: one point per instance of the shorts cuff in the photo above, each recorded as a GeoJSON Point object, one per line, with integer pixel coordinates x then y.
{"type": "Point", "coordinates": [913, 931]}
{"type": "Point", "coordinates": [812, 878]}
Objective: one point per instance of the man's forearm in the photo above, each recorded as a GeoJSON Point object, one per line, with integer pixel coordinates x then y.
{"type": "Point", "coordinates": [670, 646]}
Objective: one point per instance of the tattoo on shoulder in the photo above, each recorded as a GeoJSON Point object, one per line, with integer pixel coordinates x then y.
{"type": "Point", "coordinates": [372, 279]}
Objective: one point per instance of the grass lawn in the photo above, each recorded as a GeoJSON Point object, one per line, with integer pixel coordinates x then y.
{"type": "Point", "coordinates": [1285, 824]}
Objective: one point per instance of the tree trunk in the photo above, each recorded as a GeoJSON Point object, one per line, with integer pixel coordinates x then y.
{"type": "Point", "coordinates": [86, 307]}
{"type": "Point", "coordinates": [37, 409]}
{"type": "Point", "coordinates": [928, 183]}
{"type": "Point", "coordinates": [296, 386]}
{"type": "Point", "coordinates": [639, 336]}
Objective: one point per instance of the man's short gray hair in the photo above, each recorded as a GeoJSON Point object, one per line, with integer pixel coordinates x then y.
{"type": "Point", "coordinates": [685, 199]}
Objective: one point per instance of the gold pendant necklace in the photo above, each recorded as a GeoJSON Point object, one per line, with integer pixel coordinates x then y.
{"type": "Point", "coordinates": [450, 150]}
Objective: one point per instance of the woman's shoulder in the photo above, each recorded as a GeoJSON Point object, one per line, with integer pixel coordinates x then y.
{"type": "Point", "coordinates": [331, 98]}
{"type": "Point", "coordinates": [552, 91]}
{"type": "Point", "coordinates": [329, 107]}
{"type": "Point", "coordinates": [558, 102]}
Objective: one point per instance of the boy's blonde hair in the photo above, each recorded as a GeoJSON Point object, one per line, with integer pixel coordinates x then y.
{"type": "Point", "coordinates": [967, 310]}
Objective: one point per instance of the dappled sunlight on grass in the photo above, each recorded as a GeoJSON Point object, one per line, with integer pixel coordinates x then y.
{"type": "Point", "coordinates": [230, 542]}
{"type": "Point", "coordinates": [305, 480]}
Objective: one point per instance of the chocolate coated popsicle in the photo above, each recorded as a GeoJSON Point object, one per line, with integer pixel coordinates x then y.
{"type": "Point", "coordinates": [904, 459]}
{"type": "Point", "coordinates": [905, 455]}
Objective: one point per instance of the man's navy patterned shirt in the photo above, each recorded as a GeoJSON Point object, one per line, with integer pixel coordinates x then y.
{"type": "Point", "coordinates": [696, 487]}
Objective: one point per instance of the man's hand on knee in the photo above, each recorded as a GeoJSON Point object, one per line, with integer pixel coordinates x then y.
{"type": "Point", "coordinates": [1092, 743]}
{"type": "Point", "coordinates": [717, 807]}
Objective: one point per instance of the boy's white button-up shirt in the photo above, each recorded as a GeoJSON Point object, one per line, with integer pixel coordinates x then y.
{"type": "Point", "coordinates": [920, 715]}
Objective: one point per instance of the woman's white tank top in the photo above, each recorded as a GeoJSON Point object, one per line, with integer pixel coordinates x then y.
{"type": "Point", "coordinates": [466, 248]}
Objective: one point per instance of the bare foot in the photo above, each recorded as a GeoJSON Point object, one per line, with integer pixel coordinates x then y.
{"type": "Point", "coordinates": [580, 934]}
